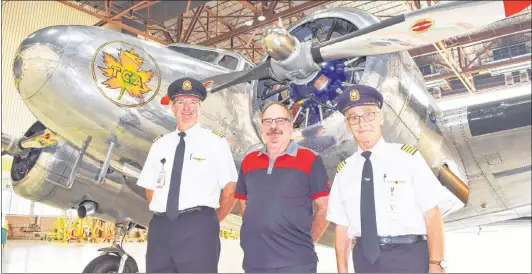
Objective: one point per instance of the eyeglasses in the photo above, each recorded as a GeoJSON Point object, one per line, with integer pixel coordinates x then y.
{"type": "Point", "coordinates": [354, 120]}
{"type": "Point", "coordinates": [189, 102]}
{"type": "Point", "coordinates": [280, 121]}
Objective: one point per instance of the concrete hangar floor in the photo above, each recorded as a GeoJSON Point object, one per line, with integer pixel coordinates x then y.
{"type": "Point", "coordinates": [494, 249]}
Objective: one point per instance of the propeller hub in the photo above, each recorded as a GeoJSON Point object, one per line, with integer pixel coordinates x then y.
{"type": "Point", "coordinates": [279, 44]}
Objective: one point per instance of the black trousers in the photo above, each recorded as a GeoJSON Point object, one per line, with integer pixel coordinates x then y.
{"type": "Point", "coordinates": [190, 244]}
{"type": "Point", "coordinates": [400, 258]}
{"type": "Point", "coordinates": [307, 268]}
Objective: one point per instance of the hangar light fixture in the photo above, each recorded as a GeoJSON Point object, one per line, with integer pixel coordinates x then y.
{"type": "Point", "coordinates": [248, 23]}
{"type": "Point", "coordinates": [261, 17]}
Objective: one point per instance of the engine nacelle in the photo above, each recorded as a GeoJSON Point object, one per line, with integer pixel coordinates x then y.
{"type": "Point", "coordinates": [42, 176]}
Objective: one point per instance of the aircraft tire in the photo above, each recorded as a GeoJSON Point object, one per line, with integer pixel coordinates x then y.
{"type": "Point", "coordinates": [109, 264]}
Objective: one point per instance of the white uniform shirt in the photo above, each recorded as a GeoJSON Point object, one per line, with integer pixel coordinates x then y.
{"type": "Point", "coordinates": [207, 167]}
{"type": "Point", "coordinates": [404, 188]}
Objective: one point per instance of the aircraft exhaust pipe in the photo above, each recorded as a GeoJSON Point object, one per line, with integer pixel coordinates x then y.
{"type": "Point", "coordinates": [10, 145]}
{"type": "Point", "coordinates": [87, 208]}
{"type": "Point", "coordinates": [454, 184]}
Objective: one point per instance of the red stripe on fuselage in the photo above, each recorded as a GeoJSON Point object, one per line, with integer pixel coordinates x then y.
{"type": "Point", "coordinates": [512, 7]}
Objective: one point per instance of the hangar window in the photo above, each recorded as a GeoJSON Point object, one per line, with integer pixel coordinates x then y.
{"type": "Point", "coordinates": [228, 62]}
{"type": "Point", "coordinates": [203, 55]}
{"type": "Point", "coordinates": [509, 47]}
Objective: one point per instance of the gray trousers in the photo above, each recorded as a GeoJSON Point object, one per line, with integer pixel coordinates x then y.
{"type": "Point", "coordinates": [306, 268]}
{"type": "Point", "coordinates": [189, 244]}
{"type": "Point", "coordinates": [398, 258]}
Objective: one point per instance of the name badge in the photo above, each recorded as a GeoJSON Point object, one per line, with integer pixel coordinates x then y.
{"type": "Point", "coordinates": [393, 186]}
{"type": "Point", "coordinates": [393, 207]}
{"type": "Point", "coordinates": [161, 179]}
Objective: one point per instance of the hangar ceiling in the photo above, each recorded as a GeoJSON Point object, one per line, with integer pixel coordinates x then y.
{"type": "Point", "coordinates": [497, 55]}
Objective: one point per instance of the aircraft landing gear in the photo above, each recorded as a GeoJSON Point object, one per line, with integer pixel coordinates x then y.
{"type": "Point", "coordinates": [114, 259]}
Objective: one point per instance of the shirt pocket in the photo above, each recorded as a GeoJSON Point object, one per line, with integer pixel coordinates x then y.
{"type": "Point", "coordinates": [200, 164]}
{"type": "Point", "coordinates": [397, 184]}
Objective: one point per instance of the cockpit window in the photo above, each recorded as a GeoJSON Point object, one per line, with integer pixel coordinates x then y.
{"type": "Point", "coordinates": [228, 62]}
{"type": "Point", "coordinates": [203, 55]}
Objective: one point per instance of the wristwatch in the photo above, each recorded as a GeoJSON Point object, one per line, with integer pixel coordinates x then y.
{"type": "Point", "coordinates": [442, 263]}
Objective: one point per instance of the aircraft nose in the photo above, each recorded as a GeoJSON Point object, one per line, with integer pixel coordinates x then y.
{"type": "Point", "coordinates": [37, 58]}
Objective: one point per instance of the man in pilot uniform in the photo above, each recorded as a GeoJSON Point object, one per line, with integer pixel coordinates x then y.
{"type": "Point", "coordinates": [384, 196]}
{"type": "Point", "coordinates": [183, 175]}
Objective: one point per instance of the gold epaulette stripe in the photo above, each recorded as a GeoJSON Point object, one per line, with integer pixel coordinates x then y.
{"type": "Point", "coordinates": [409, 149]}
{"type": "Point", "coordinates": [340, 166]}
{"type": "Point", "coordinates": [217, 133]}
{"type": "Point", "coordinates": [157, 138]}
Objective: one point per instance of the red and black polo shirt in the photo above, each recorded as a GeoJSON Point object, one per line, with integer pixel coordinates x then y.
{"type": "Point", "coordinates": [278, 217]}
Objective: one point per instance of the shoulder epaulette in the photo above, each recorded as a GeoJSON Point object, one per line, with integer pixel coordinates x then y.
{"type": "Point", "coordinates": [157, 138]}
{"type": "Point", "coordinates": [409, 149]}
{"type": "Point", "coordinates": [340, 166]}
{"type": "Point", "coordinates": [217, 133]}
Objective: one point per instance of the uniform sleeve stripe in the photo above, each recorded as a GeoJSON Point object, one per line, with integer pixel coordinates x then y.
{"type": "Point", "coordinates": [320, 194]}
{"type": "Point", "coordinates": [409, 149]}
{"type": "Point", "coordinates": [340, 166]}
{"type": "Point", "coordinates": [240, 196]}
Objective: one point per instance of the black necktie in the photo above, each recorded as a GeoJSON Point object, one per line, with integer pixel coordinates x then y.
{"type": "Point", "coordinates": [370, 238]}
{"type": "Point", "coordinates": [172, 204]}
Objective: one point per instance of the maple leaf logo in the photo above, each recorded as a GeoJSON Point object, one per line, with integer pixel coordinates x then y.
{"type": "Point", "coordinates": [126, 74]}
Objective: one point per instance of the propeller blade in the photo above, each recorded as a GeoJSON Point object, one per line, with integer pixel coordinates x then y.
{"type": "Point", "coordinates": [417, 28]}
{"type": "Point", "coordinates": [219, 82]}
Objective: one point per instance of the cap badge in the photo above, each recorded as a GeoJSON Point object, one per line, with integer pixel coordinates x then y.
{"type": "Point", "coordinates": [186, 85]}
{"type": "Point", "coordinates": [354, 95]}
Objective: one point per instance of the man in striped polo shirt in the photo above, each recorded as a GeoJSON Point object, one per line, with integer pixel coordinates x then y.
{"type": "Point", "coordinates": [277, 187]}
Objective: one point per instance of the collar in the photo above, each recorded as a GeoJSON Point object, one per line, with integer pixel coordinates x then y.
{"type": "Point", "coordinates": [291, 149]}
{"type": "Point", "coordinates": [378, 146]}
{"type": "Point", "coordinates": [191, 131]}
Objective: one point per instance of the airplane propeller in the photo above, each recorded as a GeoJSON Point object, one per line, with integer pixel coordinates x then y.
{"type": "Point", "coordinates": [259, 72]}
{"type": "Point", "coordinates": [297, 61]}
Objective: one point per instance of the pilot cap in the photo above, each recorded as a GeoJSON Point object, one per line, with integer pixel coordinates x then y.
{"type": "Point", "coordinates": [187, 86]}
{"type": "Point", "coordinates": [358, 95]}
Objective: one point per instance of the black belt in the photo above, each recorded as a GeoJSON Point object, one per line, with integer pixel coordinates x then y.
{"type": "Point", "coordinates": [404, 239]}
{"type": "Point", "coordinates": [185, 211]}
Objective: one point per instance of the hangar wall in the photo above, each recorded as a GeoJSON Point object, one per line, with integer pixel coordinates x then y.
{"type": "Point", "coordinates": [19, 19]}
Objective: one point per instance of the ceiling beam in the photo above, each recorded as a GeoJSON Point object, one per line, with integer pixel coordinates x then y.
{"type": "Point", "coordinates": [475, 37]}
{"type": "Point", "coordinates": [107, 4]}
{"type": "Point", "coordinates": [140, 5]}
{"type": "Point", "coordinates": [179, 29]}
{"type": "Point", "coordinates": [271, 7]}
{"type": "Point", "coordinates": [165, 33]}
{"type": "Point", "coordinates": [270, 18]}
{"type": "Point", "coordinates": [250, 6]}
{"type": "Point", "coordinates": [454, 66]}
{"type": "Point", "coordinates": [193, 22]}
{"type": "Point", "coordinates": [231, 27]}
{"type": "Point", "coordinates": [474, 69]}
{"type": "Point", "coordinates": [486, 48]}
{"type": "Point", "coordinates": [119, 24]}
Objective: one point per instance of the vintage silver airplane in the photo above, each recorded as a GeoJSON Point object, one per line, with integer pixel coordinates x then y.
{"type": "Point", "coordinates": [99, 97]}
